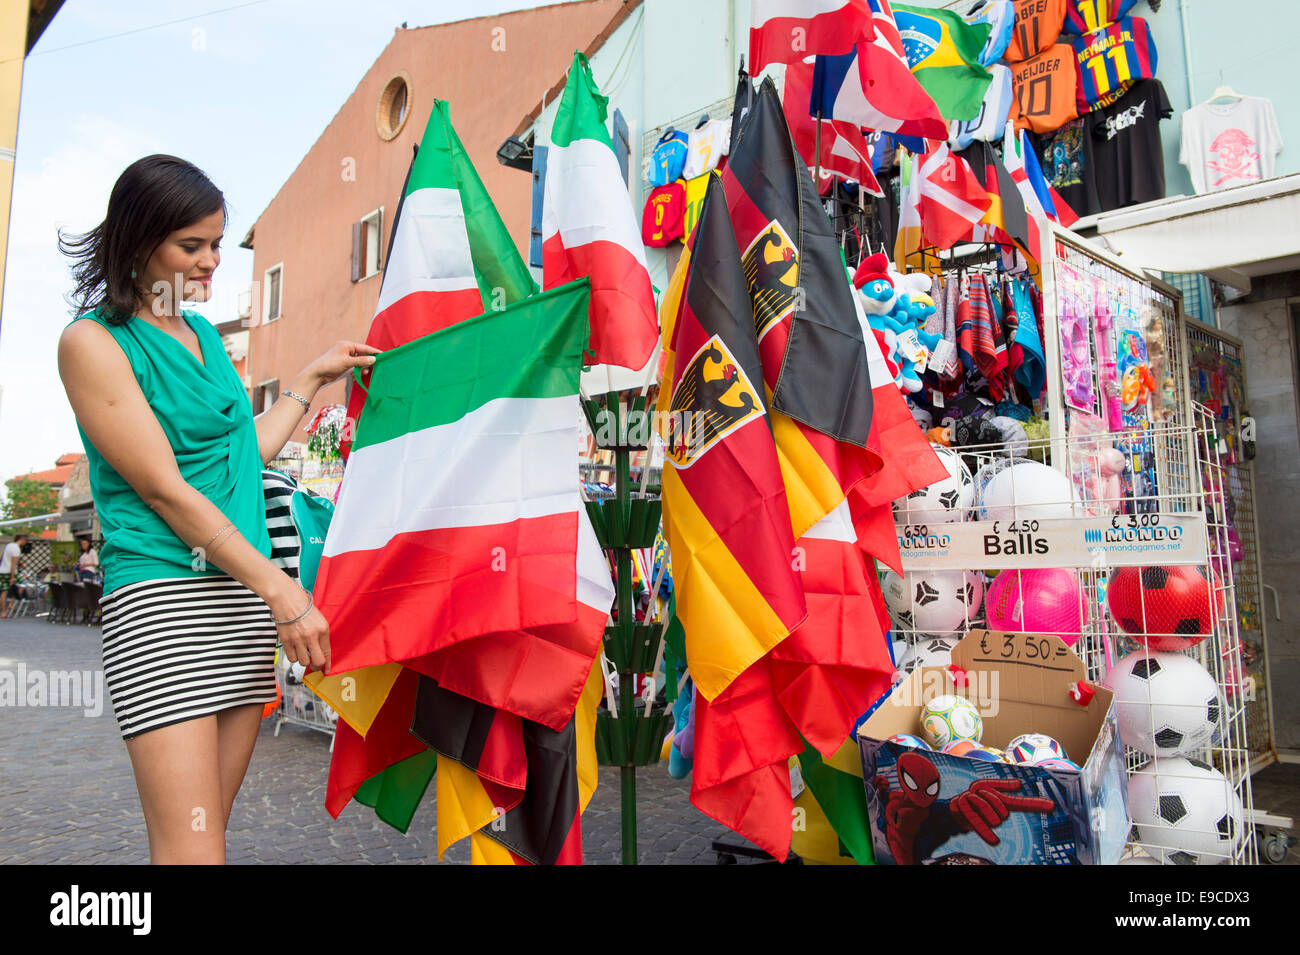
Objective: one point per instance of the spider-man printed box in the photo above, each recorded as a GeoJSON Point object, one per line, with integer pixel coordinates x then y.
{"type": "Point", "coordinates": [933, 808]}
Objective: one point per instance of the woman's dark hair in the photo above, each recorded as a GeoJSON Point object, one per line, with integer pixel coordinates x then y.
{"type": "Point", "coordinates": [152, 198]}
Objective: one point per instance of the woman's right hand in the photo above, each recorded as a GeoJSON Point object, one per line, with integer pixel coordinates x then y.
{"type": "Point", "coordinates": [305, 641]}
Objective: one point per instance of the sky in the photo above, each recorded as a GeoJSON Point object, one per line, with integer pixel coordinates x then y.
{"type": "Point", "coordinates": [241, 89]}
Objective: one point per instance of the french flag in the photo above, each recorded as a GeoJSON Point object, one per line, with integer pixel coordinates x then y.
{"type": "Point", "coordinates": [844, 150]}
{"type": "Point", "coordinates": [872, 85]}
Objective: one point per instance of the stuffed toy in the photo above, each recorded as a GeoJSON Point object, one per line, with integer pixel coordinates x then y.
{"type": "Point", "coordinates": [879, 296]}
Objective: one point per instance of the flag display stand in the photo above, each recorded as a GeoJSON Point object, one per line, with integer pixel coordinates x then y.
{"type": "Point", "coordinates": [630, 731]}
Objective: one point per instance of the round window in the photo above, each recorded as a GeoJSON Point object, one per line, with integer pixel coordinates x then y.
{"type": "Point", "coordinates": [394, 106]}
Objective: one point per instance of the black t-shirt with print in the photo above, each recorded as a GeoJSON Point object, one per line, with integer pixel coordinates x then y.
{"type": "Point", "coordinates": [1065, 156]}
{"type": "Point", "coordinates": [1128, 164]}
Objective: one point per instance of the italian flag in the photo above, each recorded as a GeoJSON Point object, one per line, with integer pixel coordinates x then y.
{"type": "Point", "coordinates": [589, 227]}
{"type": "Point", "coordinates": [443, 266]}
{"type": "Point", "coordinates": [460, 517]}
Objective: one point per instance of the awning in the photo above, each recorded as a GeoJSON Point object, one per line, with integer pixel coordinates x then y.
{"type": "Point", "coordinates": [1246, 230]}
{"type": "Point", "coordinates": [81, 516]}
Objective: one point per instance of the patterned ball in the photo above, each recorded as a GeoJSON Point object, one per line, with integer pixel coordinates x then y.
{"type": "Point", "coordinates": [948, 718]}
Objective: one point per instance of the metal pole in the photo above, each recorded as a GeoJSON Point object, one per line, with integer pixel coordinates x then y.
{"type": "Point", "coordinates": [817, 156]}
{"type": "Point", "coordinates": [626, 620]}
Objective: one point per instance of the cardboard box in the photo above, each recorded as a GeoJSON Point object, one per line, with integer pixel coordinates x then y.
{"type": "Point", "coordinates": [1020, 683]}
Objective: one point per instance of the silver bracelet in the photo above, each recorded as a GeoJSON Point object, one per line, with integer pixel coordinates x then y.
{"type": "Point", "coordinates": [215, 536]}
{"type": "Point", "coordinates": [306, 405]}
{"type": "Point", "coordinates": [281, 623]}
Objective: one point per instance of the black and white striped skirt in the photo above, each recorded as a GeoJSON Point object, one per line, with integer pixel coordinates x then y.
{"type": "Point", "coordinates": [178, 649]}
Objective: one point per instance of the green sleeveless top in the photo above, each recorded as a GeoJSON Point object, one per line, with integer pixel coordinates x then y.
{"type": "Point", "coordinates": [208, 420]}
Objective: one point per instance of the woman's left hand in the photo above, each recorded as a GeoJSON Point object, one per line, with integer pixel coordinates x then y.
{"type": "Point", "coordinates": [341, 359]}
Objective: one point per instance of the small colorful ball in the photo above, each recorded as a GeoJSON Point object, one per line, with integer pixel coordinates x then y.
{"type": "Point", "coordinates": [989, 754]}
{"type": "Point", "coordinates": [1054, 762]}
{"type": "Point", "coordinates": [959, 747]}
{"type": "Point", "coordinates": [907, 739]}
{"type": "Point", "coordinates": [1032, 748]}
{"type": "Point", "coordinates": [949, 717]}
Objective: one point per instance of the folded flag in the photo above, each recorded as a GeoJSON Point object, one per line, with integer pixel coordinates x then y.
{"type": "Point", "coordinates": [943, 51]}
{"type": "Point", "coordinates": [944, 203]}
{"type": "Point", "coordinates": [589, 227]}
{"type": "Point", "coordinates": [1006, 219]}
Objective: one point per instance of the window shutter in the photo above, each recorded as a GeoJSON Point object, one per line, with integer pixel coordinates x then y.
{"type": "Point", "coordinates": [535, 223]}
{"type": "Point", "coordinates": [379, 240]}
{"type": "Point", "coordinates": [622, 148]}
{"type": "Point", "coordinates": [356, 250]}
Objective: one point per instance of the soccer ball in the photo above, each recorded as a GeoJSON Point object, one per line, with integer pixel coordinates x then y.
{"type": "Point", "coordinates": [907, 739]}
{"type": "Point", "coordinates": [947, 718]}
{"type": "Point", "coordinates": [1033, 748]}
{"type": "Point", "coordinates": [1027, 491]}
{"type": "Point", "coordinates": [959, 747]}
{"type": "Point", "coordinates": [936, 652]}
{"type": "Point", "coordinates": [1185, 811]}
{"type": "Point", "coordinates": [1168, 704]}
{"type": "Point", "coordinates": [1167, 608]}
{"type": "Point", "coordinates": [936, 602]}
{"type": "Point", "coordinates": [1055, 762]}
{"type": "Point", "coordinates": [942, 502]}
{"type": "Point", "coordinates": [989, 754]}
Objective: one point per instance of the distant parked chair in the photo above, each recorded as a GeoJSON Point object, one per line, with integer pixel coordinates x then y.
{"type": "Point", "coordinates": [93, 592]}
{"type": "Point", "coordinates": [58, 602]}
{"type": "Point", "coordinates": [78, 603]}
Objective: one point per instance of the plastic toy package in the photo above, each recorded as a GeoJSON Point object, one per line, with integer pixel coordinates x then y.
{"type": "Point", "coordinates": [1076, 311]}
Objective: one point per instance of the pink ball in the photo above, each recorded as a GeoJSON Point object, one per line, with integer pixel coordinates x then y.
{"type": "Point", "coordinates": [1044, 600]}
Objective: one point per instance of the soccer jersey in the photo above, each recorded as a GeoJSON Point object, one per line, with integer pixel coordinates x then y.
{"type": "Point", "coordinates": [1000, 15]}
{"type": "Point", "coordinates": [1038, 24]}
{"type": "Point", "coordinates": [991, 121]}
{"type": "Point", "coordinates": [1046, 89]}
{"type": "Point", "coordinates": [1112, 58]}
{"type": "Point", "coordinates": [695, 189]}
{"type": "Point", "coordinates": [663, 218]}
{"type": "Point", "coordinates": [668, 158]}
{"type": "Point", "coordinates": [706, 146]}
{"type": "Point", "coordinates": [1084, 16]}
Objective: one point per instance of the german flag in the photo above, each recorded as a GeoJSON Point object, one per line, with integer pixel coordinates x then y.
{"type": "Point", "coordinates": [726, 518]}
{"type": "Point", "coordinates": [1006, 220]}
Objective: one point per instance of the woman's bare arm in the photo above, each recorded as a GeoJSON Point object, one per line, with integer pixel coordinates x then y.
{"type": "Point", "coordinates": [110, 407]}
{"type": "Point", "coordinates": [276, 425]}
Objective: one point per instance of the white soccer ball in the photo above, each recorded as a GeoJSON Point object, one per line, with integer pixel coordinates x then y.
{"type": "Point", "coordinates": [1027, 491]}
{"type": "Point", "coordinates": [1168, 704]}
{"type": "Point", "coordinates": [1185, 811]}
{"type": "Point", "coordinates": [1034, 748]}
{"type": "Point", "coordinates": [934, 602]}
{"type": "Point", "coordinates": [943, 502]}
{"type": "Point", "coordinates": [948, 718]}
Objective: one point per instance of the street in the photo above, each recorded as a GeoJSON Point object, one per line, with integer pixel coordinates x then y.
{"type": "Point", "coordinates": [67, 794]}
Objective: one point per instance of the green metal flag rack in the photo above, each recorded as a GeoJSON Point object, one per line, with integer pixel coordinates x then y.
{"type": "Point", "coordinates": [629, 732]}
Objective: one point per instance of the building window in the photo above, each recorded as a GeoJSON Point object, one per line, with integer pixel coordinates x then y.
{"type": "Point", "coordinates": [394, 106]}
{"type": "Point", "coordinates": [366, 243]}
{"type": "Point", "coordinates": [272, 292]}
{"type": "Point", "coordinates": [264, 395]}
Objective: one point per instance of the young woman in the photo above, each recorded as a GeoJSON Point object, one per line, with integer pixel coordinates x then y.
{"type": "Point", "coordinates": [87, 560]}
{"type": "Point", "coordinates": [192, 608]}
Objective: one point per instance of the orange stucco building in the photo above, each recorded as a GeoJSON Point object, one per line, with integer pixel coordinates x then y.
{"type": "Point", "coordinates": [315, 272]}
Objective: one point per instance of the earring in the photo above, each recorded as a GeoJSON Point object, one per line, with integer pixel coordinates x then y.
{"type": "Point", "coordinates": [133, 273]}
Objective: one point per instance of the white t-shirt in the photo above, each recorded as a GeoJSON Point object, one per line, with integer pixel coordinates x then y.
{"type": "Point", "coordinates": [1227, 144]}
{"type": "Point", "coordinates": [707, 144]}
{"type": "Point", "coordinates": [11, 551]}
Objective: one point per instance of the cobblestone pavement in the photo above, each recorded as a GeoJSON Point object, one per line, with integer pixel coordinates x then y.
{"type": "Point", "coordinates": [67, 794]}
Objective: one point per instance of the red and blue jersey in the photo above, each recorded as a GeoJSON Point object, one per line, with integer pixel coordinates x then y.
{"type": "Point", "coordinates": [1084, 16]}
{"type": "Point", "coordinates": [1111, 60]}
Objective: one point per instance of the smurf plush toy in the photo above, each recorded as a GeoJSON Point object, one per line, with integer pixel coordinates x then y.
{"type": "Point", "coordinates": [906, 322]}
{"type": "Point", "coordinates": [879, 296]}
